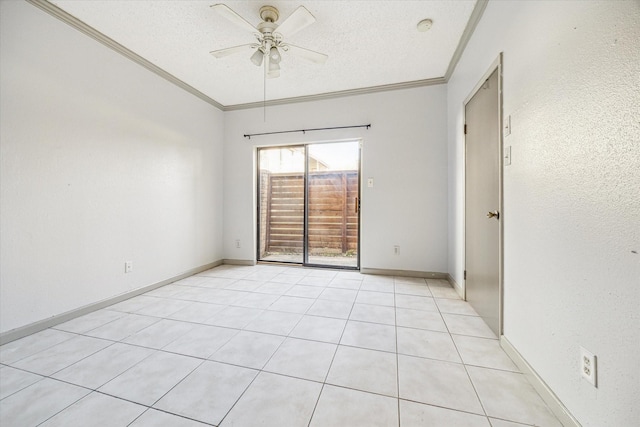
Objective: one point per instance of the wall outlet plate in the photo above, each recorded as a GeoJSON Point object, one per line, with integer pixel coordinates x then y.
{"type": "Point", "coordinates": [588, 367]}
{"type": "Point", "coordinates": [128, 266]}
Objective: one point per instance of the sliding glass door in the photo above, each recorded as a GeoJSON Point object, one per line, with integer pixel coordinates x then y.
{"type": "Point", "coordinates": [281, 175]}
{"type": "Point", "coordinates": [333, 204]}
{"type": "Point", "coordinates": [308, 204]}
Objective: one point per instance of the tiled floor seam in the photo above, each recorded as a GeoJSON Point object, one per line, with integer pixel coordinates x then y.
{"type": "Point", "coordinates": [464, 365]}
{"type": "Point", "coordinates": [61, 369]}
{"type": "Point", "coordinates": [179, 382]}
{"type": "Point", "coordinates": [284, 336]}
{"type": "Point", "coordinates": [65, 408]}
{"type": "Point", "coordinates": [446, 407]}
{"type": "Point", "coordinates": [395, 317]}
{"type": "Point", "coordinates": [489, 368]}
{"type": "Point", "coordinates": [170, 413]}
{"type": "Point", "coordinates": [475, 390]}
{"type": "Point", "coordinates": [93, 390]}
{"type": "Point", "coordinates": [324, 383]}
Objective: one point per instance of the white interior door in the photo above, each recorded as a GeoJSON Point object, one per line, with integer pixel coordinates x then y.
{"type": "Point", "coordinates": [482, 202]}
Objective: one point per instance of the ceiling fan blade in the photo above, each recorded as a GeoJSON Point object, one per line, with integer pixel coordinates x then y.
{"type": "Point", "coordinates": [313, 56]}
{"type": "Point", "coordinates": [232, 16]}
{"type": "Point", "coordinates": [299, 19]}
{"type": "Point", "coordinates": [221, 53]}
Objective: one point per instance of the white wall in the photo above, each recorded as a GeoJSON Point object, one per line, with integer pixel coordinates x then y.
{"type": "Point", "coordinates": [404, 151]}
{"type": "Point", "coordinates": [571, 195]}
{"type": "Point", "coordinates": [101, 162]}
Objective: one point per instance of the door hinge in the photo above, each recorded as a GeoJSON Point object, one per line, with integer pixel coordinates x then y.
{"type": "Point", "coordinates": [465, 275]}
{"type": "Point", "coordinates": [465, 129]}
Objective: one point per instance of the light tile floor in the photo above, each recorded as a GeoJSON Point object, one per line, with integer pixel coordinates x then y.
{"type": "Point", "coordinates": [271, 346]}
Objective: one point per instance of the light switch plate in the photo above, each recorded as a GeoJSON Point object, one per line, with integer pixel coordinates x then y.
{"type": "Point", "coordinates": [507, 125]}
{"type": "Point", "coordinates": [370, 182]}
{"type": "Point", "coordinates": [507, 155]}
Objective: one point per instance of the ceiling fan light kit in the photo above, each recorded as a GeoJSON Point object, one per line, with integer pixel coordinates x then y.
{"type": "Point", "coordinates": [274, 55]}
{"type": "Point", "coordinates": [257, 57]}
{"type": "Point", "coordinates": [270, 36]}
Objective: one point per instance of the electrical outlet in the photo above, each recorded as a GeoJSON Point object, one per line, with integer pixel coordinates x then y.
{"type": "Point", "coordinates": [588, 367]}
{"type": "Point", "coordinates": [237, 243]}
{"type": "Point", "coordinates": [396, 250]}
{"type": "Point", "coordinates": [128, 266]}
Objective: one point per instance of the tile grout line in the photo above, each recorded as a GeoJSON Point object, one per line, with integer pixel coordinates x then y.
{"type": "Point", "coordinates": [324, 383]}
{"type": "Point", "coordinates": [250, 383]}
{"type": "Point", "coordinates": [149, 408]}
{"type": "Point", "coordinates": [395, 314]}
{"type": "Point", "coordinates": [193, 324]}
{"type": "Point", "coordinates": [463, 363]}
{"type": "Point", "coordinates": [261, 370]}
{"type": "Point", "coordinates": [155, 351]}
{"type": "Point", "coordinates": [241, 394]}
{"type": "Point", "coordinates": [91, 390]}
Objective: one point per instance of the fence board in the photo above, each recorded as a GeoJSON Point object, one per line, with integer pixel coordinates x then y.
{"type": "Point", "coordinates": [333, 226]}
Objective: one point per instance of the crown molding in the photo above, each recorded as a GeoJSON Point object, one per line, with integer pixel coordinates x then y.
{"type": "Point", "coordinates": [474, 18]}
{"type": "Point", "coordinates": [74, 22]}
{"type": "Point", "coordinates": [476, 14]}
{"type": "Point", "coordinates": [338, 94]}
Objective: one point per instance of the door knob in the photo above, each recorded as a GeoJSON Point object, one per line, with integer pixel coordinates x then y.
{"type": "Point", "coordinates": [494, 214]}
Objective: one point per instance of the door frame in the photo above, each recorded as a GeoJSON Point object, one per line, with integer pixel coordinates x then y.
{"type": "Point", "coordinates": [305, 233]}
{"type": "Point", "coordinates": [496, 65]}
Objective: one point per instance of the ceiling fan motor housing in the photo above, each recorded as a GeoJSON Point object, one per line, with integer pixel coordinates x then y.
{"type": "Point", "coordinates": [269, 13]}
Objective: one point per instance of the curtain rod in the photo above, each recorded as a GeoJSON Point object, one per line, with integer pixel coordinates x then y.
{"type": "Point", "coordinates": [249, 135]}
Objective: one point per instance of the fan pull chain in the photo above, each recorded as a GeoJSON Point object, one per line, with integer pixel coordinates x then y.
{"type": "Point", "coordinates": [264, 89]}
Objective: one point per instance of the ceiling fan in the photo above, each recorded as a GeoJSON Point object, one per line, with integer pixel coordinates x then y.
{"type": "Point", "coordinates": [270, 37]}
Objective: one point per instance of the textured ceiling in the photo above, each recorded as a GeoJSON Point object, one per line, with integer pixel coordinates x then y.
{"type": "Point", "coordinates": [369, 43]}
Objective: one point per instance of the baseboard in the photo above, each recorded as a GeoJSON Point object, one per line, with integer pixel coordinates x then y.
{"type": "Point", "coordinates": [456, 286]}
{"type": "Point", "coordinates": [40, 325]}
{"type": "Point", "coordinates": [238, 262]}
{"type": "Point", "coordinates": [550, 398]}
{"type": "Point", "coordinates": [403, 273]}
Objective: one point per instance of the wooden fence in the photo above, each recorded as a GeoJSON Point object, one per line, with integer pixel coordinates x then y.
{"type": "Point", "coordinates": [333, 220]}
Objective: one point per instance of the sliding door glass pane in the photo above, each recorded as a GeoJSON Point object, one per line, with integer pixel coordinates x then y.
{"type": "Point", "coordinates": [332, 199]}
{"type": "Point", "coordinates": [281, 187]}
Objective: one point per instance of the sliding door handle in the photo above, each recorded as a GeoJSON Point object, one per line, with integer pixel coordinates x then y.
{"type": "Point", "coordinates": [357, 204]}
